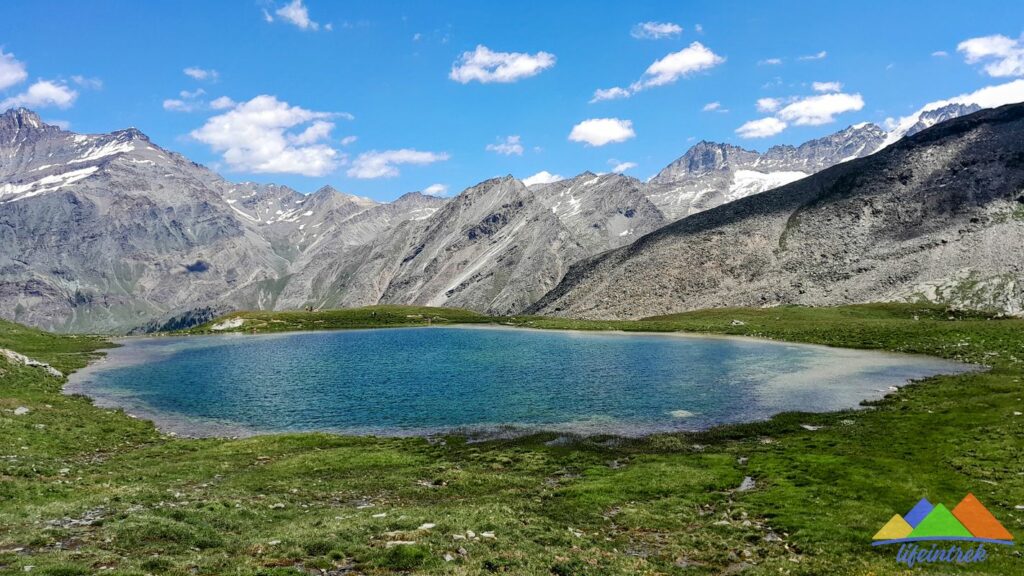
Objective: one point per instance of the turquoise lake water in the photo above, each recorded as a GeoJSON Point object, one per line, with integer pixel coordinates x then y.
{"type": "Point", "coordinates": [407, 381]}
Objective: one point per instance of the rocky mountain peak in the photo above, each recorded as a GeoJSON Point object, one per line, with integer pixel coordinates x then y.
{"type": "Point", "coordinates": [948, 112]}
{"type": "Point", "coordinates": [129, 135]}
{"type": "Point", "coordinates": [21, 121]}
{"type": "Point", "coordinates": [704, 157]}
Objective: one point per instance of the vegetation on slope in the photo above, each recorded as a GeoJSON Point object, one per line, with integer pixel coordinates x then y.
{"type": "Point", "coordinates": [83, 489]}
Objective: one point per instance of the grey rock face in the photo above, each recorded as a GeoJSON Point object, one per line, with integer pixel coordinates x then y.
{"type": "Point", "coordinates": [936, 216]}
{"type": "Point", "coordinates": [933, 117]}
{"type": "Point", "coordinates": [711, 174]}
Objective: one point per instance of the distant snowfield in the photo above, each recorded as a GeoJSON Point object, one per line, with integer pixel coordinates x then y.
{"type": "Point", "coordinates": [749, 182]}
{"type": "Point", "coordinates": [10, 192]}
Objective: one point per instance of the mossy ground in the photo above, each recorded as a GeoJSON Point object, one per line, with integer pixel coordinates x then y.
{"type": "Point", "coordinates": [84, 489]}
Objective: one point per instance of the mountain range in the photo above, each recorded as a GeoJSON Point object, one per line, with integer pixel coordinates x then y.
{"type": "Point", "coordinates": [936, 216]}
{"type": "Point", "coordinates": [113, 233]}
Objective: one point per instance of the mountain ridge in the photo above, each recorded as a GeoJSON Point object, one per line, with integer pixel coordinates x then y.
{"type": "Point", "coordinates": [927, 213]}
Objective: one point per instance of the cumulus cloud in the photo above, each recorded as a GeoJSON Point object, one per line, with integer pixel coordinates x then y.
{"type": "Point", "coordinates": [222, 103]}
{"type": "Point", "coordinates": [762, 128]}
{"type": "Point", "coordinates": [768, 104]}
{"type": "Point", "coordinates": [12, 71]}
{"type": "Point", "coordinates": [178, 105]}
{"type": "Point", "coordinates": [349, 140]}
{"type": "Point", "coordinates": [295, 12]}
{"type": "Point", "coordinates": [827, 86]}
{"type": "Point", "coordinates": [485, 66]}
{"type": "Point", "coordinates": [267, 135]}
{"type": "Point", "coordinates": [42, 94]}
{"type": "Point", "coordinates": [620, 167]}
{"type": "Point", "coordinates": [821, 109]}
{"type": "Point", "coordinates": [819, 56]}
{"type": "Point", "coordinates": [609, 94]}
{"type": "Point", "coordinates": [770, 62]}
{"type": "Point", "coordinates": [508, 146]}
{"type": "Point", "coordinates": [655, 30]}
{"type": "Point", "coordinates": [1003, 56]}
{"type": "Point", "coordinates": [694, 58]}
{"type": "Point", "coordinates": [713, 107]}
{"type": "Point", "coordinates": [385, 164]}
{"type": "Point", "coordinates": [542, 177]}
{"type": "Point", "coordinates": [940, 53]}
{"type": "Point", "coordinates": [436, 190]}
{"type": "Point", "coordinates": [197, 73]}
{"type": "Point", "coordinates": [601, 131]}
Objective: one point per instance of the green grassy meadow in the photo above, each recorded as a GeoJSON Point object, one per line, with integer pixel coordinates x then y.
{"type": "Point", "coordinates": [85, 490]}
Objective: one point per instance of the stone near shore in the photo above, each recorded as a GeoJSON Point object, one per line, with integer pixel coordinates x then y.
{"type": "Point", "coordinates": [17, 358]}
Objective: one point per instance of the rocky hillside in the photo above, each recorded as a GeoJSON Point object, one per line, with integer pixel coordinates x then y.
{"type": "Point", "coordinates": [938, 215]}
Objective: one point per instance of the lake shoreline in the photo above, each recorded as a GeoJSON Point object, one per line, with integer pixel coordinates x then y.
{"type": "Point", "coordinates": [192, 426]}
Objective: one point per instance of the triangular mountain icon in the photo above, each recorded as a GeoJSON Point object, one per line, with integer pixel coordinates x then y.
{"type": "Point", "coordinates": [979, 521]}
{"type": "Point", "coordinates": [918, 512]}
{"type": "Point", "coordinates": [895, 529]}
{"type": "Point", "coordinates": [939, 523]}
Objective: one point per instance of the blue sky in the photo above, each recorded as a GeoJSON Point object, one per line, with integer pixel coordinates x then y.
{"type": "Point", "coordinates": [295, 81]}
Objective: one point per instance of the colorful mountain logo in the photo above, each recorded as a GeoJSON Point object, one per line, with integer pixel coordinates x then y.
{"type": "Point", "coordinates": [969, 521]}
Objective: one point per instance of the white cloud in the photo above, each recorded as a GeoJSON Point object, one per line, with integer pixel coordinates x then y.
{"type": "Point", "coordinates": [620, 167]}
{"type": "Point", "coordinates": [988, 97]}
{"type": "Point", "coordinates": [698, 28]}
{"type": "Point", "coordinates": [609, 94]}
{"type": "Point", "coordinates": [189, 102]}
{"type": "Point", "coordinates": [258, 136]}
{"type": "Point", "coordinates": [177, 105]}
{"type": "Point", "coordinates": [223, 103]}
{"type": "Point", "coordinates": [12, 71]}
{"type": "Point", "coordinates": [267, 17]}
{"type": "Point", "coordinates": [694, 58]}
{"type": "Point", "coordinates": [436, 190]}
{"type": "Point", "coordinates": [762, 128]}
{"type": "Point", "coordinates": [315, 132]}
{"type": "Point", "coordinates": [940, 53]}
{"type": "Point", "coordinates": [88, 83]}
{"type": "Point", "coordinates": [542, 177]}
{"type": "Point", "coordinates": [295, 12]}
{"type": "Point", "coordinates": [42, 94]}
{"type": "Point", "coordinates": [655, 30]}
{"type": "Point", "coordinates": [349, 140]}
{"type": "Point", "coordinates": [485, 66]}
{"type": "Point", "coordinates": [821, 109]}
{"type": "Point", "coordinates": [768, 104]}
{"type": "Point", "coordinates": [385, 164]}
{"type": "Point", "coordinates": [62, 124]}
{"type": "Point", "coordinates": [601, 131]}
{"type": "Point", "coordinates": [770, 62]}
{"type": "Point", "coordinates": [1003, 56]}
{"type": "Point", "coordinates": [509, 146]}
{"type": "Point", "coordinates": [827, 86]}
{"type": "Point", "coordinates": [819, 56]}
{"type": "Point", "coordinates": [712, 106]}
{"type": "Point", "coordinates": [201, 73]}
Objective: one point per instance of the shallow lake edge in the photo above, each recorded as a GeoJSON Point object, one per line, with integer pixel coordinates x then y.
{"type": "Point", "coordinates": [191, 427]}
